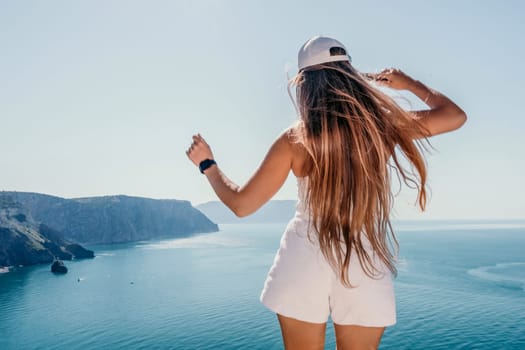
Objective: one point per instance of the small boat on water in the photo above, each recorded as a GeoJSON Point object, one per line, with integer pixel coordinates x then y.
{"type": "Point", "coordinates": [4, 269]}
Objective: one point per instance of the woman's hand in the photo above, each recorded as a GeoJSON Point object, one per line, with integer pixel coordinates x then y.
{"type": "Point", "coordinates": [199, 150]}
{"type": "Point", "coordinates": [443, 116]}
{"type": "Point", "coordinates": [393, 78]}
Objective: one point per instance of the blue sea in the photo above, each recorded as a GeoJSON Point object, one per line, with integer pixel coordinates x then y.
{"type": "Point", "coordinates": [461, 285]}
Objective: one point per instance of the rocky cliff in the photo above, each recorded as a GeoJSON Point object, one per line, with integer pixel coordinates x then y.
{"type": "Point", "coordinates": [115, 219]}
{"type": "Point", "coordinates": [23, 241]}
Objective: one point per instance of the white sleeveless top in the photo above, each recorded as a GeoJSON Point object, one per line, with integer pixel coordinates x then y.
{"type": "Point", "coordinates": [301, 209]}
{"type": "Point", "coordinates": [302, 217]}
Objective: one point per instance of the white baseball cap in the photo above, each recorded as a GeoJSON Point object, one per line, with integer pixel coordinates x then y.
{"type": "Point", "coordinates": [317, 50]}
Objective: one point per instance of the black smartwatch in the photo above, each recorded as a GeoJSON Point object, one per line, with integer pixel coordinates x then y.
{"type": "Point", "coordinates": [205, 164]}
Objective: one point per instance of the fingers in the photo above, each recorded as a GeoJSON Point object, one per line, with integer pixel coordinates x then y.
{"type": "Point", "coordinates": [383, 78]}
{"type": "Point", "coordinates": [197, 142]}
{"type": "Point", "coordinates": [202, 139]}
{"type": "Point", "coordinates": [376, 76]}
{"type": "Point", "coordinates": [390, 70]}
{"type": "Point", "coordinates": [387, 76]}
{"type": "Point", "coordinates": [192, 146]}
{"type": "Point", "coordinates": [385, 73]}
{"type": "Point", "coordinates": [198, 138]}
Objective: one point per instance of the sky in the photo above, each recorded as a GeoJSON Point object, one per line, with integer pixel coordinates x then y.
{"type": "Point", "coordinates": [102, 97]}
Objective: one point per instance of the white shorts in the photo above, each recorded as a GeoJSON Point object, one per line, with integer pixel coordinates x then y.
{"type": "Point", "coordinates": [302, 285]}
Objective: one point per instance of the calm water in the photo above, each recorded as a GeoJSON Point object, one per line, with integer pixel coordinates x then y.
{"type": "Point", "coordinates": [460, 286]}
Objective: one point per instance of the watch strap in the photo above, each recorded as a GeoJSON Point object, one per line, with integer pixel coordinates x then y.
{"type": "Point", "coordinates": [205, 164]}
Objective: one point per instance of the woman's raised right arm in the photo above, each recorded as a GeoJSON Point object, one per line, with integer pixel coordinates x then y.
{"type": "Point", "coordinates": [443, 116]}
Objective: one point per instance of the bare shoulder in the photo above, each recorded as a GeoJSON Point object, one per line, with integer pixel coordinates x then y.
{"type": "Point", "coordinates": [291, 136]}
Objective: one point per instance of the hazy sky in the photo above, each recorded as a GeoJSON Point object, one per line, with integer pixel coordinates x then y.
{"type": "Point", "coordinates": [102, 97]}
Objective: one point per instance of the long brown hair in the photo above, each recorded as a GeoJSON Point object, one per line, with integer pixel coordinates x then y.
{"type": "Point", "coordinates": [351, 130]}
